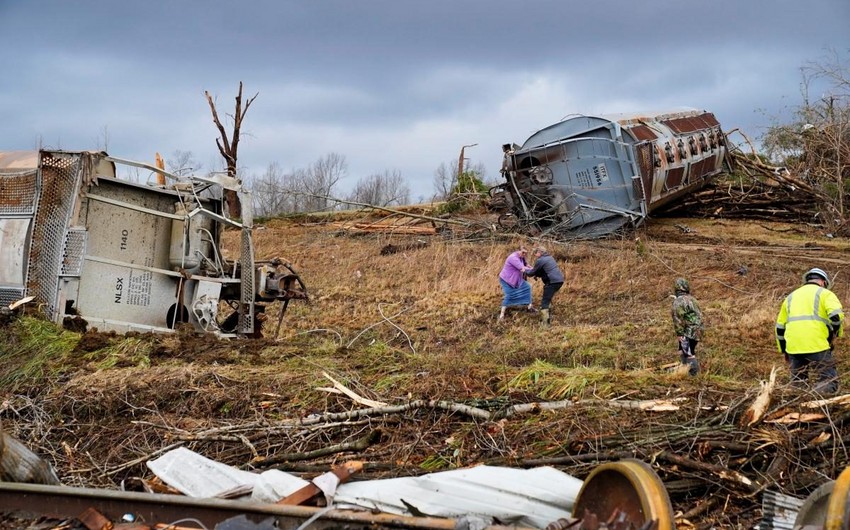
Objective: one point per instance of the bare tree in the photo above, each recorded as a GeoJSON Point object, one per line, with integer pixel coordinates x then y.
{"type": "Point", "coordinates": [229, 146]}
{"type": "Point", "coordinates": [182, 162]}
{"type": "Point", "coordinates": [381, 189]}
{"type": "Point", "coordinates": [446, 182]}
{"type": "Point", "coordinates": [319, 182]}
{"type": "Point", "coordinates": [268, 191]}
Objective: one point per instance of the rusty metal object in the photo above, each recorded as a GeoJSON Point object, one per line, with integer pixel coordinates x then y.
{"type": "Point", "coordinates": [622, 495]}
{"type": "Point", "coordinates": [94, 520]}
{"type": "Point", "coordinates": [342, 473]}
{"type": "Point", "coordinates": [153, 508]}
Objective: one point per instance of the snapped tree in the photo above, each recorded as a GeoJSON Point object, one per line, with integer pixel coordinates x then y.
{"type": "Point", "coordinates": [228, 146]}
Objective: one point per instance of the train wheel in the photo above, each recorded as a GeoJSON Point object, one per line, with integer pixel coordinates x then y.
{"type": "Point", "coordinates": [508, 221]}
{"type": "Point", "coordinates": [838, 509]}
{"type": "Point", "coordinates": [813, 510]}
{"type": "Point", "coordinates": [627, 489]}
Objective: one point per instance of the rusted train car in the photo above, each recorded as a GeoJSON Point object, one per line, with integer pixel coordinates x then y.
{"type": "Point", "coordinates": [123, 256]}
{"type": "Point", "coordinates": [589, 176]}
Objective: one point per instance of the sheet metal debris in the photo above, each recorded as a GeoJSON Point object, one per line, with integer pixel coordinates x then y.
{"type": "Point", "coordinates": [779, 511]}
{"type": "Point", "coordinates": [526, 497]}
{"type": "Point", "coordinates": [197, 476]}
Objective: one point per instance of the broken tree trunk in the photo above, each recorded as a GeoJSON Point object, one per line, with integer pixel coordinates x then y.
{"type": "Point", "coordinates": [229, 147]}
{"type": "Point", "coordinates": [19, 464]}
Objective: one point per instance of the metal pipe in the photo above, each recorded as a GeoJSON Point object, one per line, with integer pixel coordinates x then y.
{"type": "Point", "coordinates": [152, 508]}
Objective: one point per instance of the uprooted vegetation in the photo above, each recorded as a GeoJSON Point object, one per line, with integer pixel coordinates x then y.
{"type": "Point", "coordinates": [415, 330]}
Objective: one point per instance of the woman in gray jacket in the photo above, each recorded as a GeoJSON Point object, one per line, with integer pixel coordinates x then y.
{"type": "Point", "coordinates": [546, 268]}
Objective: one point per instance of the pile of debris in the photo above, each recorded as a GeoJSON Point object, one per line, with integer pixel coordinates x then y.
{"type": "Point", "coordinates": [716, 452]}
{"type": "Point", "coordinates": [759, 191]}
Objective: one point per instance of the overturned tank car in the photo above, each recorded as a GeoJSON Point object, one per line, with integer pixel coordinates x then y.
{"type": "Point", "coordinates": [118, 255]}
{"type": "Point", "coordinates": [589, 176]}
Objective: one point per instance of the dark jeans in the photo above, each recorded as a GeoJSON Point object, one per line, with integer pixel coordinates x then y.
{"type": "Point", "coordinates": [688, 349]}
{"type": "Point", "coordinates": [822, 362]}
{"type": "Point", "coordinates": [549, 291]}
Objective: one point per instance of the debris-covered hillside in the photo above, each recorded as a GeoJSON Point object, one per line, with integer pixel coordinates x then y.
{"type": "Point", "coordinates": [402, 326]}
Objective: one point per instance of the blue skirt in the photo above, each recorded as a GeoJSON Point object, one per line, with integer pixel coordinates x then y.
{"type": "Point", "coordinates": [520, 295]}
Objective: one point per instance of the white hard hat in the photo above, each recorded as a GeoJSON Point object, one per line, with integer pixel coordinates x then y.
{"type": "Point", "coordinates": [817, 272]}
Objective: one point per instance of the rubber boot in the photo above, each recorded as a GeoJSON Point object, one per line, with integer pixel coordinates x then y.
{"type": "Point", "coordinates": [692, 363]}
{"type": "Point", "coordinates": [545, 321]}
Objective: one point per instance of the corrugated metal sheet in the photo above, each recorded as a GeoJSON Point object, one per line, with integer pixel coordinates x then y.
{"type": "Point", "coordinates": [530, 497]}
{"type": "Point", "coordinates": [779, 511]}
{"type": "Point", "coordinates": [642, 132]}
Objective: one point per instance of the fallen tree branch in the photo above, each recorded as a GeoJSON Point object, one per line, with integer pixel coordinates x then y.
{"type": "Point", "coordinates": [142, 459]}
{"type": "Point", "coordinates": [393, 324]}
{"type": "Point", "coordinates": [360, 444]}
{"type": "Point", "coordinates": [731, 476]}
{"type": "Point", "coordinates": [383, 209]}
{"type": "Point", "coordinates": [352, 394]}
{"type": "Point", "coordinates": [376, 324]}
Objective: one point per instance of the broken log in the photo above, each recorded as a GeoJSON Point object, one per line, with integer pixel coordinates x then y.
{"type": "Point", "coordinates": [19, 464]}
{"type": "Point", "coordinates": [756, 411]}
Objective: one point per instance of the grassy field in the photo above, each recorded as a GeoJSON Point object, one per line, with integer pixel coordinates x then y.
{"type": "Point", "coordinates": [612, 318]}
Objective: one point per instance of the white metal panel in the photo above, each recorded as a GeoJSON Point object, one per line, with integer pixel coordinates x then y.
{"type": "Point", "coordinates": [532, 497]}
{"type": "Point", "coordinates": [198, 476]}
{"type": "Point", "coordinates": [13, 242]}
{"type": "Point", "coordinates": [529, 497]}
{"type": "Point", "coordinates": [274, 485]}
{"type": "Point", "coordinates": [127, 235]}
{"type": "Point", "coordinates": [124, 293]}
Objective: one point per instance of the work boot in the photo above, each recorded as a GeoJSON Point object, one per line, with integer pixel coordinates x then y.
{"type": "Point", "coordinates": [545, 321]}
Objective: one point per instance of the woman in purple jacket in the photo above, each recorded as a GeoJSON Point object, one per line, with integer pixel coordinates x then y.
{"type": "Point", "coordinates": [517, 290]}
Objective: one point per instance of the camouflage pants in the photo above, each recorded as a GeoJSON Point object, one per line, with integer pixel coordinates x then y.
{"type": "Point", "coordinates": [687, 349]}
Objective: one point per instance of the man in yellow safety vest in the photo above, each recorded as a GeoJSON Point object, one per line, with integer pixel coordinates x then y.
{"type": "Point", "coordinates": [809, 320]}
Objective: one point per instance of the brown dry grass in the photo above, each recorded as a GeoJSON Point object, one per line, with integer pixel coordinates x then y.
{"type": "Point", "coordinates": [612, 315]}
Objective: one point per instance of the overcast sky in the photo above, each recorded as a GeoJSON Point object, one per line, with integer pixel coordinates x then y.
{"type": "Point", "coordinates": [390, 84]}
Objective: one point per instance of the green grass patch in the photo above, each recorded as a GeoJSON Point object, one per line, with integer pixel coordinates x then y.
{"type": "Point", "coordinates": [34, 350]}
{"type": "Point", "coordinates": [552, 382]}
{"type": "Point", "coordinates": [124, 353]}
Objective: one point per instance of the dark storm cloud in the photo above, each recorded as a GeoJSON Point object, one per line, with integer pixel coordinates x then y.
{"type": "Point", "coordinates": [390, 84]}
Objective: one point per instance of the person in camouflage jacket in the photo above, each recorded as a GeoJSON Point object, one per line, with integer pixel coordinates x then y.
{"type": "Point", "coordinates": [687, 322]}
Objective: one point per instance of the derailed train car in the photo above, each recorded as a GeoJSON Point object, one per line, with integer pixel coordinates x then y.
{"type": "Point", "coordinates": [589, 176]}
{"type": "Point", "coordinates": [124, 256]}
